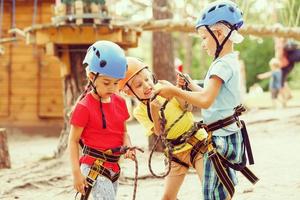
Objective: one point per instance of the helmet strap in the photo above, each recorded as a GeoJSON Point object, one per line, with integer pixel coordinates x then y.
{"type": "Point", "coordinates": [101, 105]}
{"type": "Point", "coordinates": [219, 47]}
{"type": "Point", "coordinates": [140, 99]}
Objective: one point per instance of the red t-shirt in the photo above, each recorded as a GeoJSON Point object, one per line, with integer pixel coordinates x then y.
{"type": "Point", "coordinates": [87, 114]}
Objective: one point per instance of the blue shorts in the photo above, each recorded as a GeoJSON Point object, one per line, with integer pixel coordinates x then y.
{"type": "Point", "coordinates": [103, 189]}
{"type": "Point", "coordinates": [232, 148]}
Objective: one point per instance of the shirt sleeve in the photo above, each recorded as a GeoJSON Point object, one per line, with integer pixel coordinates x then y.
{"type": "Point", "coordinates": [125, 111]}
{"type": "Point", "coordinates": [80, 116]}
{"type": "Point", "coordinates": [221, 70]}
{"type": "Point", "coordinates": [142, 117]}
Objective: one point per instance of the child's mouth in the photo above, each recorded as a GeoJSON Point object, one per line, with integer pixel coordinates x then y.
{"type": "Point", "coordinates": [148, 92]}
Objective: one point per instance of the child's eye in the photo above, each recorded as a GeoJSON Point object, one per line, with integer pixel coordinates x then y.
{"type": "Point", "coordinates": [139, 85]}
{"type": "Point", "coordinates": [147, 79]}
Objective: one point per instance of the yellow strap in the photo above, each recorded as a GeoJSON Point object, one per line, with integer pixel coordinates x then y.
{"type": "Point", "coordinates": [210, 146]}
{"type": "Point", "coordinates": [94, 173]}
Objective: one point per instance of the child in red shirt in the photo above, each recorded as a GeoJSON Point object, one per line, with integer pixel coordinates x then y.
{"type": "Point", "coordinates": [98, 121]}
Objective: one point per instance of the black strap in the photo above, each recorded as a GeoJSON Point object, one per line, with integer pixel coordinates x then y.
{"type": "Point", "coordinates": [174, 159]}
{"type": "Point", "coordinates": [149, 111]}
{"type": "Point", "coordinates": [107, 157]}
{"type": "Point", "coordinates": [218, 45]}
{"type": "Point", "coordinates": [221, 172]}
{"type": "Point", "coordinates": [226, 121]}
{"type": "Point", "coordinates": [199, 147]}
{"type": "Point", "coordinates": [239, 167]}
{"type": "Point", "coordinates": [87, 191]}
{"type": "Point", "coordinates": [247, 143]}
{"type": "Point", "coordinates": [183, 138]}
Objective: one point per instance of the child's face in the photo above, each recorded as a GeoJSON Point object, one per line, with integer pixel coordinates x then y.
{"type": "Point", "coordinates": [142, 84]}
{"type": "Point", "coordinates": [208, 42]}
{"type": "Point", "coordinates": [106, 86]}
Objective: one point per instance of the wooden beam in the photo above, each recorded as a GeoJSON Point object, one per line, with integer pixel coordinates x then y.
{"type": "Point", "coordinates": [169, 25]}
{"type": "Point", "coordinates": [6, 40]}
{"type": "Point", "coordinates": [85, 34]}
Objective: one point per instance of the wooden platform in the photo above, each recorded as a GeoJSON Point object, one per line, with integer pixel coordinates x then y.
{"type": "Point", "coordinates": [70, 34]}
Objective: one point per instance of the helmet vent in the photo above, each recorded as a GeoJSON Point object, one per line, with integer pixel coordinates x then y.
{"type": "Point", "coordinates": [98, 54]}
{"type": "Point", "coordinates": [203, 17]}
{"type": "Point", "coordinates": [102, 63]}
{"type": "Point", "coordinates": [222, 5]}
{"type": "Point", "coordinates": [231, 9]}
{"type": "Point", "coordinates": [212, 9]}
{"type": "Point", "coordinates": [94, 48]}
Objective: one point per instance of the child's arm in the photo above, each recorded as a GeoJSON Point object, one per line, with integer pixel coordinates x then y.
{"type": "Point", "coordinates": [202, 99]}
{"type": "Point", "coordinates": [127, 142]}
{"type": "Point", "coordinates": [183, 104]}
{"type": "Point", "coordinates": [79, 180]}
{"type": "Point", "coordinates": [264, 75]}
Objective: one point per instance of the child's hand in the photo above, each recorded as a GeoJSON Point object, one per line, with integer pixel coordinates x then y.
{"type": "Point", "coordinates": [182, 80]}
{"type": "Point", "coordinates": [130, 153]}
{"type": "Point", "coordinates": [260, 76]}
{"type": "Point", "coordinates": [167, 91]}
{"type": "Point", "coordinates": [79, 182]}
{"type": "Point", "coordinates": [155, 105]}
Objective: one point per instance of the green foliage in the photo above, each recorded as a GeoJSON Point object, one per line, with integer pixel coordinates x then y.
{"type": "Point", "coordinates": [68, 2]}
{"type": "Point", "coordinates": [256, 54]}
{"type": "Point", "coordinates": [290, 13]}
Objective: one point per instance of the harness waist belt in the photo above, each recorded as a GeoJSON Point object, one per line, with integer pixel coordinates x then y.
{"type": "Point", "coordinates": [226, 121]}
{"type": "Point", "coordinates": [104, 155]}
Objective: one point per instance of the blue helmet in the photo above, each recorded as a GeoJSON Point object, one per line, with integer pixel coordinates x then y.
{"type": "Point", "coordinates": [107, 58]}
{"type": "Point", "coordinates": [219, 11]}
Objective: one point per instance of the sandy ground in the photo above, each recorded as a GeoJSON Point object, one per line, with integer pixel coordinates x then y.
{"type": "Point", "coordinates": [275, 137]}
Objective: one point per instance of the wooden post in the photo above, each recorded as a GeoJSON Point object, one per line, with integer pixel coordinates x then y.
{"type": "Point", "coordinates": [95, 10]}
{"type": "Point", "coordinates": [79, 11]}
{"type": "Point", "coordinates": [4, 155]}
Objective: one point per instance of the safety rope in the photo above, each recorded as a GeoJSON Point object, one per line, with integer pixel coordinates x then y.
{"type": "Point", "coordinates": [123, 151]}
{"type": "Point", "coordinates": [163, 137]}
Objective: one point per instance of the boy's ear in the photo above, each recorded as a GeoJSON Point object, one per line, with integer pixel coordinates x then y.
{"type": "Point", "coordinates": [220, 34]}
{"type": "Point", "coordinates": [91, 76]}
{"type": "Point", "coordinates": [127, 91]}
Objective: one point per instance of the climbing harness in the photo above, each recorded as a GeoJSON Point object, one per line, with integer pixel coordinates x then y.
{"type": "Point", "coordinates": [220, 163]}
{"type": "Point", "coordinates": [170, 145]}
{"type": "Point", "coordinates": [97, 168]}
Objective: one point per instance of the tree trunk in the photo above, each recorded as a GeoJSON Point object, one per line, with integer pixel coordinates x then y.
{"type": "Point", "coordinates": [162, 52]}
{"type": "Point", "coordinates": [188, 57]}
{"type": "Point", "coordinates": [4, 154]}
{"type": "Point", "coordinates": [73, 85]}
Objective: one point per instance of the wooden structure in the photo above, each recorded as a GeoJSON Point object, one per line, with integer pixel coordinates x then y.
{"type": "Point", "coordinates": [38, 71]}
